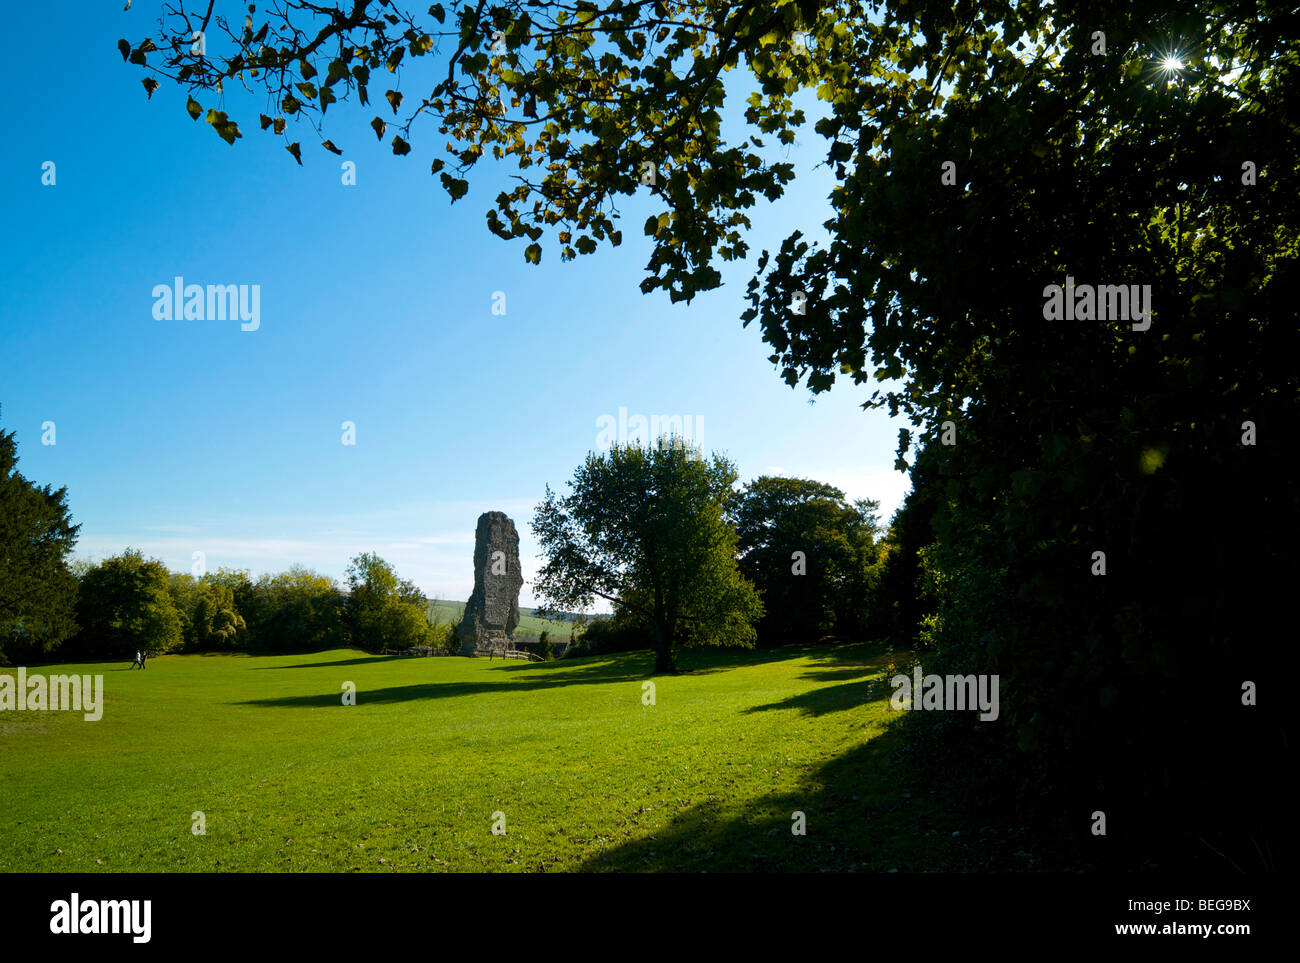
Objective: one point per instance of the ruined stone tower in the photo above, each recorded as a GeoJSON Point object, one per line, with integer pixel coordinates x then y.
{"type": "Point", "coordinates": [492, 612]}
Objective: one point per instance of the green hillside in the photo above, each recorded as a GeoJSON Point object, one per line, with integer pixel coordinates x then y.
{"type": "Point", "coordinates": [447, 611]}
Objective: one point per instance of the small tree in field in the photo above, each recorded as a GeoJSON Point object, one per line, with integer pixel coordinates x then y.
{"type": "Point", "coordinates": [645, 529]}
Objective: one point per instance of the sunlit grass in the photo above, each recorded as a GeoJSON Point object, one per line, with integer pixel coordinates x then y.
{"type": "Point", "coordinates": [588, 777]}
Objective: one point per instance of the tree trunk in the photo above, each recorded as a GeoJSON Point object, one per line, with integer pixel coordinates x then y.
{"type": "Point", "coordinates": [665, 664]}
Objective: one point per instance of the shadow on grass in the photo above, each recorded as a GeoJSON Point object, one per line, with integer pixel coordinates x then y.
{"type": "Point", "coordinates": [363, 660]}
{"type": "Point", "coordinates": [834, 698]}
{"type": "Point", "coordinates": [858, 817]}
{"type": "Point", "coordinates": [861, 681]}
{"type": "Point", "coordinates": [531, 676]}
{"type": "Point", "coordinates": [518, 677]}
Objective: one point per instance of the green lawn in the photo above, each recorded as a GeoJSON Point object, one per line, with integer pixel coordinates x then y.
{"type": "Point", "coordinates": [408, 779]}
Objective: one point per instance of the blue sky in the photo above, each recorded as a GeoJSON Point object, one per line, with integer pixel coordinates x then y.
{"type": "Point", "coordinates": [178, 436]}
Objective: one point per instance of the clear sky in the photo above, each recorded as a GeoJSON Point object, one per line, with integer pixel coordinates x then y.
{"type": "Point", "coordinates": [179, 436]}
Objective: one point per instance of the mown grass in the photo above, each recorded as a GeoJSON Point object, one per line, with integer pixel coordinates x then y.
{"type": "Point", "coordinates": [587, 776]}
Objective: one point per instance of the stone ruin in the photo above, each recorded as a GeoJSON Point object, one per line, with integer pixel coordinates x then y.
{"type": "Point", "coordinates": [492, 612]}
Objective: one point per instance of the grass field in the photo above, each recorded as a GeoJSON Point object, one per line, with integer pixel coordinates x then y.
{"type": "Point", "coordinates": [409, 778]}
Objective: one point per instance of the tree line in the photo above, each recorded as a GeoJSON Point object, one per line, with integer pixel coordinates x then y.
{"type": "Point", "coordinates": [686, 556]}
{"type": "Point", "coordinates": [56, 608]}
{"type": "Point", "coordinates": [777, 561]}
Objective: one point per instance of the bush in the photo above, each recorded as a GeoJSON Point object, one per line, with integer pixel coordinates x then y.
{"type": "Point", "coordinates": [614, 635]}
{"type": "Point", "coordinates": [451, 643]}
{"type": "Point", "coordinates": [295, 611]}
{"type": "Point", "coordinates": [396, 625]}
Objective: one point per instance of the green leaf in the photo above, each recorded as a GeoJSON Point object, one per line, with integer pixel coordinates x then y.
{"type": "Point", "coordinates": [329, 146]}
{"type": "Point", "coordinates": [124, 48]}
{"type": "Point", "coordinates": [227, 129]}
{"type": "Point", "coordinates": [394, 99]}
{"type": "Point", "coordinates": [437, 12]}
{"type": "Point", "coordinates": [533, 253]}
{"type": "Point", "coordinates": [379, 127]}
{"type": "Point", "coordinates": [455, 186]}
{"type": "Point", "coordinates": [308, 71]}
{"type": "Point", "coordinates": [337, 71]}
{"type": "Point", "coordinates": [264, 121]}
{"type": "Point", "coordinates": [400, 146]}
{"type": "Point", "coordinates": [193, 107]}
{"type": "Point", "coordinates": [150, 85]}
{"type": "Point", "coordinates": [296, 151]}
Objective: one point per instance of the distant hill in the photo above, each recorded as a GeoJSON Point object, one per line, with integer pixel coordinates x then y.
{"type": "Point", "coordinates": [448, 611]}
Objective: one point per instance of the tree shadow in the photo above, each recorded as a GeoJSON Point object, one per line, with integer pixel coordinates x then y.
{"type": "Point", "coordinates": [833, 698]}
{"type": "Point", "coordinates": [361, 660]}
{"type": "Point", "coordinates": [858, 817]}
{"type": "Point", "coordinates": [520, 677]}
{"type": "Point", "coordinates": [860, 679]}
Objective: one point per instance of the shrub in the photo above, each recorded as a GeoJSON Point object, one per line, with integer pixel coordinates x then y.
{"type": "Point", "coordinates": [451, 642]}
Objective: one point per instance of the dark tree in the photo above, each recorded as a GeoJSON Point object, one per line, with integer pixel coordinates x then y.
{"type": "Point", "coordinates": [37, 590]}
{"type": "Point", "coordinates": [809, 552]}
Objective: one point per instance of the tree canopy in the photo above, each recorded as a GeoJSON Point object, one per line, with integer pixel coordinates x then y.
{"type": "Point", "coordinates": [125, 605]}
{"type": "Point", "coordinates": [37, 590]}
{"type": "Point", "coordinates": [809, 552]}
{"type": "Point", "coordinates": [645, 529]}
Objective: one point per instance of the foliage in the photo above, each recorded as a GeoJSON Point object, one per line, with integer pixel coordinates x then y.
{"type": "Point", "coordinates": [623, 632]}
{"type": "Point", "coordinates": [1069, 159]}
{"type": "Point", "coordinates": [296, 610]}
{"type": "Point", "coordinates": [216, 622]}
{"type": "Point", "coordinates": [580, 99]}
{"type": "Point", "coordinates": [37, 588]}
{"type": "Point", "coordinates": [644, 527]}
{"type": "Point", "coordinates": [401, 625]}
{"type": "Point", "coordinates": [451, 640]}
{"type": "Point", "coordinates": [823, 590]}
{"type": "Point", "coordinates": [124, 605]}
